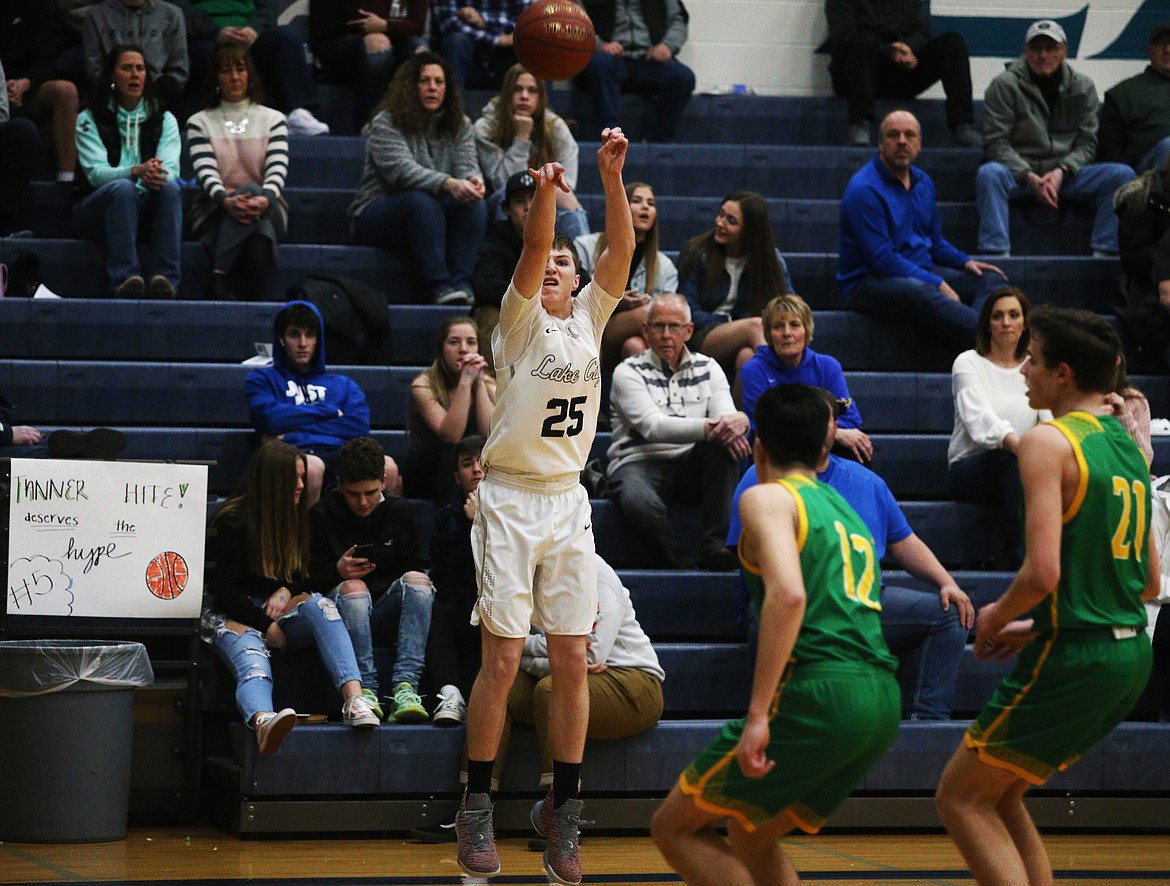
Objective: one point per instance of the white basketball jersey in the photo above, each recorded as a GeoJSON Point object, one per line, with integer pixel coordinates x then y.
{"type": "Point", "coordinates": [548, 385]}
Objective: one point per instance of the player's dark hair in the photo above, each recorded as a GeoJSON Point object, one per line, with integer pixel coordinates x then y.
{"type": "Point", "coordinates": [983, 326]}
{"type": "Point", "coordinates": [361, 458]}
{"type": "Point", "coordinates": [472, 444]}
{"type": "Point", "coordinates": [791, 423]}
{"type": "Point", "coordinates": [299, 315]}
{"type": "Point", "coordinates": [1081, 339]}
{"type": "Point", "coordinates": [564, 241]}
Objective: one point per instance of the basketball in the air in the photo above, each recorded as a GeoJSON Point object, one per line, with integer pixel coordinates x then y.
{"type": "Point", "coordinates": [553, 39]}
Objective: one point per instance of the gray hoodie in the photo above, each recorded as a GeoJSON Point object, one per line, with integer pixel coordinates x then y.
{"type": "Point", "coordinates": [156, 26]}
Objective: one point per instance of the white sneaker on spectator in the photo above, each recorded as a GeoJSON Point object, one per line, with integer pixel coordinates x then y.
{"type": "Point", "coordinates": [302, 122]}
{"type": "Point", "coordinates": [271, 728]}
{"type": "Point", "coordinates": [452, 709]}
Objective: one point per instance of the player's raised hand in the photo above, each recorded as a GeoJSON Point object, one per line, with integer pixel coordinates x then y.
{"type": "Point", "coordinates": [611, 156]}
{"type": "Point", "coordinates": [752, 751]}
{"type": "Point", "coordinates": [550, 174]}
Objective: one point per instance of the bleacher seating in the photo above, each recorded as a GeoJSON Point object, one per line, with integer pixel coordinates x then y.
{"type": "Point", "coordinates": [170, 375]}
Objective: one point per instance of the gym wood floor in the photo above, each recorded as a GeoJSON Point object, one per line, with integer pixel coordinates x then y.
{"type": "Point", "coordinates": [204, 855]}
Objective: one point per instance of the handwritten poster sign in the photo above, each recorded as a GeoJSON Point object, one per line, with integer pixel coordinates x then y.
{"type": "Point", "coordinates": [106, 539]}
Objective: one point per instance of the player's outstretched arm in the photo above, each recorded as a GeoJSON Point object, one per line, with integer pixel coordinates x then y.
{"type": "Point", "coordinates": [539, 229]}
{"type": "Point", "coordinates": [1042, 454]}
{"type": "Point", "coordinates": [613, 265]}
{"type": "Point", "coordinates": [769, 520]}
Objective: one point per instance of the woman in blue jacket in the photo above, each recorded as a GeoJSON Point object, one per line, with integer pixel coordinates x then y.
{"type": "Point", "coordinates": [728, 274]}
{"type": "Point", "coordinates": [788, 359]}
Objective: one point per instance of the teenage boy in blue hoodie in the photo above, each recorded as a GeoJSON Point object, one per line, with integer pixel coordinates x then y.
{"type": "Point", "coordinates": [297, 401]}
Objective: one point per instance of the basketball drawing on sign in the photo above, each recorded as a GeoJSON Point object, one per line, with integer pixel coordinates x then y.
{"type": "Point", "coordinates": [166, 575]}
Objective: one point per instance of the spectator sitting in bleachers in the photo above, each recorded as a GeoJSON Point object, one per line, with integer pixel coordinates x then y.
{"type": "Point", "coordinates": [500, 251]}
{"type": "Point", "coordinates": [893, 260]}
{"type": "Point", "coordinates": [18, 146]}
{"type": "Point", "coordinates": [786, 358]}
{"type": "Point", "coordinates": [28, 31]}
{"type": "Point", "coordinates": [452, 398]}
{"type": "Point", "coordinates": [885, 49]}
{"type": "Point", "coordinates": [453, 646]}
{"type": "Point", "coordinates": [636, 48]}
{"type": "Point", "coordinates": [278, 51]}
{"type": "Point", "coordinates": [128, 152]}
{"type": "Point", "coordinates": [364, 555]}
{"type": "Point", "coordinates": [359, 43]}
{"type": "Point", "coordinates": [297, 401]}
{"type": "Point", "coordinates": [651, 273]}
{"type": "Point", "coordinates": [677, 437]}
{"type": "Point", "coordinates": [69, 58]}
{"type": "Point", "coordinates": [1135, 116]}
{"type": "Point", "coordinates": [992, 412]}
{"type": "Point", "coordinates": [257, 560]}
{"type": "Point", "coordinates": [421, 189]}
{"type": "Point", "coordinates": [624, 683]}
{"type": "Point", "coordinates": [239, 150]}
{"type": "Point", "coordinates": [1039, 138]}
{"type": "Point", "coordinates": [475, 39]}
{"type": "Point", "coordinates": [1143, 211]}
{"type": "Point", "coordinates": [155, 25]}
{"type": "Point", "coordinates": [25, 441]}
{"type": "Point", "coordinates": [728, 274]}
{"type": "Point", "coordinates": [928, 634]}
{"type": "Point", "coordinates": [517, 131]}
{"type": "Point", "coordinates": [1132, 409]}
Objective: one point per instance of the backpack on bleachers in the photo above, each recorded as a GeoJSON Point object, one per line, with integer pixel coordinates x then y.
{"type": "Point", "coordinates": [357, 320]}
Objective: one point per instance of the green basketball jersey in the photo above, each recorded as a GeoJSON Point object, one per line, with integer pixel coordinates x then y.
{"type": "Point", "coordinates": [1103, 556]}
{"type": "Point", "coordinates": [842, 580]}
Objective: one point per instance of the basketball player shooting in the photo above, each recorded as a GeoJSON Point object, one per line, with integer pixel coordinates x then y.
{"type": "Point", "coordinates": [532, 537]}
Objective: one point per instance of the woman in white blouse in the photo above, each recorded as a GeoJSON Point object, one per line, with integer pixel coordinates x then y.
{"type": "Point", "coordinates": [991, 409]}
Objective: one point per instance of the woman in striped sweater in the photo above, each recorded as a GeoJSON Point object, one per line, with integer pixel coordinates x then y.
{"type": "Point", "coordinates": [239, 149]}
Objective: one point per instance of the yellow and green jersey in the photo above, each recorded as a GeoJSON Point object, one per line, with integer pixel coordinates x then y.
{"type": "Point", "coordinates": [842, 580]}
{"type": "Point", "coordinates": [1103, 545]}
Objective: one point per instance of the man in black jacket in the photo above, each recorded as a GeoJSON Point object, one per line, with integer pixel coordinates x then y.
{"type": "Point", "coordinates": [364, 554]}
{"type": "Point", "coordinates": [883, 48]}
{"type": "Point", "coordinates": [636, 45]}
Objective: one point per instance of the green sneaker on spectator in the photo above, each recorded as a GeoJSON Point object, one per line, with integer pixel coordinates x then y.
{"type": "Point", "coordinates": [372, 697]}
{"type": "Point", "coordinates": [408, 707]}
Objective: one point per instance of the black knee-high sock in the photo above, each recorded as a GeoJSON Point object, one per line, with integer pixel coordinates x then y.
{"type": "Point", "coordinates": [479, 776]}
{"type": "Point", "coordinates": [566, 781]}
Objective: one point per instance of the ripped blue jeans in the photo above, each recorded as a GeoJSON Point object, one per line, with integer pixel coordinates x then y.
{"type": "Point", "coordinates": [399, 618]}
{"type": "Point", "coordinates": [314, 622]}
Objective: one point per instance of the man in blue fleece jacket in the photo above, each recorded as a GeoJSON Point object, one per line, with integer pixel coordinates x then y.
{"type": "Point", "coordinates": [297, 401]}
{"type": "Point", "coordinates": [893, 260]}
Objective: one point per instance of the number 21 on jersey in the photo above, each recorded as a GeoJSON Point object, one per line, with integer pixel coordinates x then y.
{"type": "Point", "coordinates": [858, 588]}
{"type": "Point", "coordinates": [1134, 504]}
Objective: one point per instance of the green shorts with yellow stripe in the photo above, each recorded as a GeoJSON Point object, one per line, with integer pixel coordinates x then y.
{"type": "Point", "coordinates": [830, 722]}
{"type": "Point", "coordinates": [1062, 698]}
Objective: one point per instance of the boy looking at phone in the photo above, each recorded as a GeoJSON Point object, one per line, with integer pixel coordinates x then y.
{"type": "Point", "coordinates": [364, 554]}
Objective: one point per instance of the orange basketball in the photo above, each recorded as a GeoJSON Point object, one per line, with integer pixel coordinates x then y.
{"type": "Point", "coordinates": [166, 575]}
{"type": "Point", "coordinates": [553, 39]}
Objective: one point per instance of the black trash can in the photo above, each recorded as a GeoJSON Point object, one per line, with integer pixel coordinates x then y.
{"type": "Point", "coordinates": [66, 725]}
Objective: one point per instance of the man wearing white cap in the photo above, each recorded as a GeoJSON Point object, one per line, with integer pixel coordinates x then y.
{"type": "Point", "coordinates": [1039, 137]}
